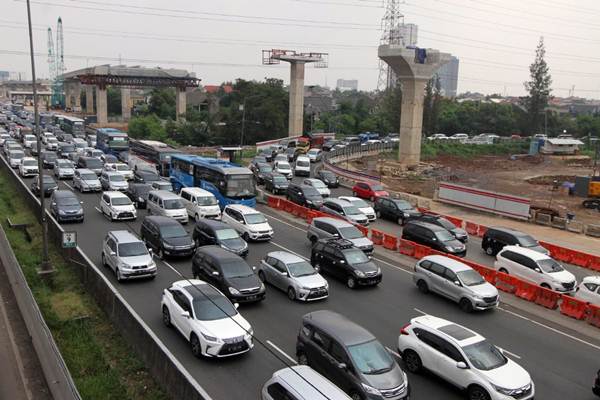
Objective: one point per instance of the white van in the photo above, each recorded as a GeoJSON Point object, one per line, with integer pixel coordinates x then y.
{"type": "Point", "coordinates": [167, 204]}
{"type": "Point", "coordinates": [302, 167]}
{"type": "Point", "coordinates": [200, 203]}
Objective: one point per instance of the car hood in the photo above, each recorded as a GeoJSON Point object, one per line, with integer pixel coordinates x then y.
{"type": "Point", "coordinates": [246, 282]}
{"type": "Point", "coordinates": [73, 208]}
{"type": "Point", "coordinates": [368, 266]}
{"type": "Point", "coordinates": [137, 260]}
{"type": "Point", "coordinates": [361, 242]}
{"type": "Point", "coordinates": [456, 244]}
{"type": "Point", "coordinates": [234, 244]}
{"type": "Point", "coordinates": [65, 170]}
{"type": "Point", "coordinates": [282, 185]}
{"type": "Point", "coordinates": [118, 184]}
{"type": "Point", "coordinates": [311, 281]}
{"type": "Point", "coordinates": [486, 289]}
{"type": "Point", "coordinates": [367, 210]}
{"type": "Point", "coordinates": [129, 207]}
{"type": "Point", "coordinates": [260, 227]}
{"type": "Point", "coordinates": [510, 376]}
{"type": "Point", "coordinates": [381, 193]}
{"type": "Point", "coordinates": [562, 276]}
{"type": "Point", "coordinates": [92, 182]}
{"type": "Point", "coordinates": [323, 190]}
{"type": "Point", "coordinates": [179, 241]}
{"type": "Point", "coordinates": [224, 328]}
{"type": "Point", "coordinates": [208, 209]}
{"type": "Point", "coordinates": [459, 232]}
{"type": "Point", "coordinates": [357, 217]}
{"type": "Point", "coordinates": [386, 380]}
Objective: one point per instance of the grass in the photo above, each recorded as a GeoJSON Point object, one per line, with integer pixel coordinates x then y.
{"type": "Point", "coordinates": [102, 364]}
{"type": "Point", "coordinates": [430, 151]}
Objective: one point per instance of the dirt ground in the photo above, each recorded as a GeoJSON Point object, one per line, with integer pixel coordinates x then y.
{"type": "Point", "coordinates": [529, 176]}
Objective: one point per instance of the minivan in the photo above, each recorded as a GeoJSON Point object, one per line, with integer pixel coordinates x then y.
{"type": "Point", "coordinates": [345, 210]}
{"type": "Point", "coordinates": [434, 236]}
{"type": "Point", "coordinates": [166, 237]}
{"type": "Point", "coordinates": [200, 203]}
{"type": "Point", "coordinates": [304, 195]}
{"type": "Point", "coordinates": [91, 163]}
{"type": "Point", "coordinates": [495, 238]}
{"type": "Point", "coordinates": [302, 166]}
{"type": "Point", "coordinates": [327, 228]}
{"type": "Point", "coordinates": [168, 204]}
{"type": "Point", "coordinates": [65, 206]}
{"type": "Point", "coordinates": [209, 232]}
{"type": "Point", "coordinates": [301, 382]}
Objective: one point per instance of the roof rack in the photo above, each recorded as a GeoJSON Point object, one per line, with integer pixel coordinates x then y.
{"type": "Point", "coordinates": [340, 244]}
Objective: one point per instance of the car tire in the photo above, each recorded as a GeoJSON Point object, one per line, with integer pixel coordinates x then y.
{"type": "Point", "coordinates": [354, 194]}
{"type": "Point", "coordinates": [313, 240]}
{"type": "Point", "coordinates": [196, 346]}
{"type": "Point", "coordinates": [476, 392]}
{"type": "Point", "coordinates": [504, 271]}
{"type": "Point", "coordinates": [302, 359]}
{"type": "Point", "coordinates": [546, 286]}
{"type": "Point", "coordinates": [246, 237]}
{"type": "Point", "coordinates": [356, 396]}
{"type": "Point", "coordinates": [489, 250]}
{"type": "Point", "coordinates": [466, 305]}
{"type": "Point", "coordinates": [351, 282]}
{"type": "Point", "coordinates": [423, 287]}
{"type": "Point", "coordinates": [291, 293]}
{"type": "Point", "coordinates": [104, 264]}
{"type": "Point", "coordinates": [197, 218]}
{"type": "Point", "coordinates": [166, 316]}
{"type": "Point", "coordinates": [412, 361]}
{"type": "Point", "coordinates": [262, 277]}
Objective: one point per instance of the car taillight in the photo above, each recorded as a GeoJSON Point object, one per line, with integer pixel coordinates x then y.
{"type": "Point", "coordinates": [404, 331]}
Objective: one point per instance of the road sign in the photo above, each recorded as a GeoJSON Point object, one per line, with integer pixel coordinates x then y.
{"type": "Point", "coordinates": [69, 240]}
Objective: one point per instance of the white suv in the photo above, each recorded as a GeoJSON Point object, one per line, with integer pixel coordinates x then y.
{"type": "Point", "coordinates": [250, 223]}
{"type": "Point", "coordinates": [117, 206]}
{"type": "Point", "coordinates": [589, 290]}
{"type": "Point", "coordinates": [112, 180]}
{"type": "Point", "coordinates": [200, 203]}
{"type": "Point", "coordinates": [463, 358]}
{"type": "Point", "coordinates": [28, 167]}
{"type": "Point", "coordinates": [535, 267]}
{"type": "Point", "coordinates": [283, 168]}
{"type": "Point", "coordinates": [127, 256]}
{"type": "Point", "coordinates": [121, 168]}
{"type": "Point", "coordinates": [86, 180]}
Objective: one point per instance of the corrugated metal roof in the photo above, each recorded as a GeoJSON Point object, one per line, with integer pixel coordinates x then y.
{"type": "Point", "coordinates": [565, 142]}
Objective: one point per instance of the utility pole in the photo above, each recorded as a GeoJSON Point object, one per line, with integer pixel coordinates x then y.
{"type": "Point", "coordinates": [243, 110]}
{"type": "Point", "coordinates": [46, 268]}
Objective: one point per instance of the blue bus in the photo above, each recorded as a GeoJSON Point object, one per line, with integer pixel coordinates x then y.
{"type": "Point", "coordinates": [230, 183]}
{"type": "Point", "coordinates": [111, 141]}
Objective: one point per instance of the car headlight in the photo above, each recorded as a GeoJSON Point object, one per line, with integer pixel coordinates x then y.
{"type": "Point", "coordinates": [140, 200]}
{"type": "Point", "coordinates": [125, 266]}
{"type": "Point", "coordinates": [371, 390]}
{"type": "Point", "coordinates": [406, 215]}
{"type": "Point", "coordinates": [250, 332]}
{"type": "Point", "coordinates": [208, 337]}
{"type": "Point", "coordinates": [168, 246]}
{"type": "Point", "coordinates": [152, 264]}
{"type": "Point", "coordinates": [61, 212]}
{"type": "Point", "coordinates": [360, 274]}
{"type": "Point", "coordinates": [305, 288]}
{"type": "Point", "coordinates": [449, 248]}
{"type": "Point", "coordinates": [505, 391]}
{"type": "Point", "coordinates": [233, 291]}
{"type": "Point", "coordinates": [309, 202]}
{"type": "Point", "coordinates": [262, 286]}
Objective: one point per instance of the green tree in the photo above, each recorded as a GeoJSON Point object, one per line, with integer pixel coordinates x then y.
{"type": "Point", "coordinates": [162, 102]}
{"type": "Point", "coordinates": [428, 108]}
{"type": "Point", "coordinates": [147, 127]}
{"type": "Point", "coordinates": [538, 88]}
{"type": "Point", "coordinates": [113, 98]}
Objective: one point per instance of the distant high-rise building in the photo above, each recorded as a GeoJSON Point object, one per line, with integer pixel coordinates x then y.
{"type": "Point", "coordinates": [347, 84]}
{"type": "Point", "coordinates": [448, 74]}
{"type": "Point", "coordinates": [4, 75]}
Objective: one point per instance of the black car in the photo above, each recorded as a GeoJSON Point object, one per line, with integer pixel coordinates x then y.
{"type": "Point", "coordinates": [434, 236]}
{"type": "Point", "coordinates": [48, 159]}
{"type": "Point", "coordinates": [109, 159]}
{"type": "Point", "coordinates": [304, 195]}
{"type": "Point", "coordinates": [276, 183]}
{"type": "Point", "coordinates": [260, 171]}
{"type": "Point", "coordinates": [397, 210]}
{"type": "Point", "coordinates": [596, 388]}
{"type": "Point", "coordinates": [144, 176]}
{"type": "Point", "coordinates": [209, 232]}
{"type": "Point", "coordinates": [495, 238]}
{"type": "Point", "coordinates": [65, 206]}
{"type": "Point", "coordinates": [138, 193]}
{"type": "Point", "coordinates": [166, 237]}
{"type": "Point", "coordinates": [50, 185]}
{"type": "Point", "coordinates": [328, 178]}
{"type": "Point", "coordinates": [350, 357]}
{"type": "Point", "coordinates": [64, 149]}
{"type": "Point", "coordinates": [255, 161]}
{"type": "Point", "coordinates": [91, 163]}
{"type": "Point", "coordinates": [64, 137]}
{"type": "Point", "coordinates": [341, 259]}
{"type": "Point", "coordinates": [327, 146]}
{"type": "Point", "coordinates": [229, 273]}
{"type": "Point", "coordinates": [267, 155]}
{"type": "Point", "coordinates": [439, 220]}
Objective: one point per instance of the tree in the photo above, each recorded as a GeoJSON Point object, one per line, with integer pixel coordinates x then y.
{"type": "Point", "coordinates": [162, 102]}
{"type": "Point", "coordinates": [113, 98]}
{"type": "Point", "coordinates": [538, 88]}
{"type": "Point", "coordinates": [428, 108]}
{"type": "Point", "coordinates": [147, 127]}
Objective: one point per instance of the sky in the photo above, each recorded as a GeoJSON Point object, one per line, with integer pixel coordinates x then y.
{"type": "Point", "coordinates": [220, 41]}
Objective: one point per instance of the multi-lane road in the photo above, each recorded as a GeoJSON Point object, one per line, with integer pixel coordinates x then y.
{"type": "Point", "coordinates": [562, 364]}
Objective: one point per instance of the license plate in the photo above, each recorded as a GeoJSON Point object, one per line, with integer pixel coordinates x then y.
{"type": "Point", "coordinates": [253, 297]}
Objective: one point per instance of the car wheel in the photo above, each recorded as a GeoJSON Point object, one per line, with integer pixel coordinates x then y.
{"type": "Point", "coordinates": [412, 361]}
{"type": "Point", "coordinates": [504, 271]}
{"type": "Point", "coordinates": [197, 218]}
{"type": "Point", "coordinates": [356, 396]}
{"type": "Point", "coordinates": [546, 286]}
{"type": "Point", "coordinates": [104, 264]}
{"type": "Point", "coordinates": [489, 250]}
{"type": "Point", "coordinates": [196, 346]}
{"type": "Point", "coordinates": [302, 359]}
{"type": "Point", "coordinates": [313, 240]}
{"type": "Point", "coordinates": [166, 317]}
{"type": "Point", "coordinates": [351, 282]}
{"type": "Point", "coordinates": [478, 393]}
{"type": "Point", "coordinates": [466, 305]}
{"type": "Point", "coordinates": [423, 288]}
{"type": "Point", "coordinates": [354, 194]}
{"type": "Point", "coordinates": [291, 294]}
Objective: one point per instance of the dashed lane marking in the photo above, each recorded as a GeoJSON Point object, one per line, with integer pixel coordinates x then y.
{"type": "Point", "coordinates": [283, 353]}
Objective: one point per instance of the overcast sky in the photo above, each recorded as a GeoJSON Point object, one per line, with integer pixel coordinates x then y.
{"type": "Point", "coordinates": [222, 40]}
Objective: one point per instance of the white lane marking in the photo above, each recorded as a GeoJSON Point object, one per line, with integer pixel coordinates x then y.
{"type": "Point", "coordinates": [282, 352]}
{"type": "Point", "coordinates": [283, 222]}
{"type": "Point", "coordinates": [172, 267]}
{"type": "Point", "coordinates": [288, 250]}
{"type": "Point", "coordinates": [393, 352]}
{"type": "Point", "coordinates": [393, 266]}
{"type": "Point", "coordinates": [510, 353]}
{"type": "Point", "coordinates": [97, 209]}
{"type": "Point", "coordinates": [69, 186]}
{"type": "Point", "coordinates": [419, 311]}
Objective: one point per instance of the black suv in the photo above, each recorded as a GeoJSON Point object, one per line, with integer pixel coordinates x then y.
{"type": "Point", "coordinates": [341, 259]}
{"type": "Point", "coordinates": [439, 220]}
{"type": "Point", "coordinates": [350, 357]}
{"type": "Point", "coordinates": [304, 195]}
{"type": "Point", "coordinates": [229, 273]}
{"type": "Point", "coordinates": [166, 237]}
{"type": "Point", "coordinates": [260, 171]}
{"type": "Point", "coordinates": [328, 178]}
{"type": "Point", "coordinates": [138, 193]}
{"type": "Point", "coordinates": [50, 185]}
{"type": "Point", "coordinates": [397, 210]}
{"type": "Point", "coordinates": [208, 231]}
{"type": "Point", "coordinates": [276, 183]}
{"type": "Point", "coordinates": [434, 236]}
{"type": "Point", "coordinates": [91, 163]}
{"type": "Point", "coordinates": [495, 238]}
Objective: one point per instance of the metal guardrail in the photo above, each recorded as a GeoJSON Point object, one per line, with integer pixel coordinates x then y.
{"type": "Point", "coordinates": [332, 158]}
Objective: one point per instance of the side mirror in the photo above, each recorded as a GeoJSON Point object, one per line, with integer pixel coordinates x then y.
{"type": "Point", "coordinates": [185, 314]}
{"type": "Point", "coordinates": [253, 268]}
{"type": "Point", "coordinates": [342, 366]}
{"type": "Point", "coordinates": [457, 283]}
{"type": "Point", "coordinates": [284, 273]}
{"type": "Point", "coordinates": [538, 270]}
{"type": "Point", "coordinates": [81, 202]}
{"type": "Point", "coordinates": [461, 365]}
{"type": "Point", "coordinates": [215, 273]}
{"type": "Point", "coordinates": [150, 252]}
{"type": "Point", "coordinates": [236, 305]}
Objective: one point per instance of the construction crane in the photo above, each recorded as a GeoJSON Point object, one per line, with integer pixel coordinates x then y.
{"type": "Point", "coordinates": [56, 65]}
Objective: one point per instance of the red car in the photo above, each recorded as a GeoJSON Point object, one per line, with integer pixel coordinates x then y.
{"type": "Point", "coordinates": [369, 190]}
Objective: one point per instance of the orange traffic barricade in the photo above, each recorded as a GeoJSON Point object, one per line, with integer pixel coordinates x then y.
{"type": "Point", "coordinates": [488, 274]}
{"type": "Point", "coordinates": [505, 282]}
{"type": "Point", "coordinates": [573, 307]}
{"type": "Point", "coordinates": [407, 248]}
{"type": "Point", "coordinates": [288, 206]}
{"type": "Point", "coordinates": [580, 259]}
{"type": "Point", "coordinates": [376, 236]}
{"type": "Point", "coordinates": [481, 231]}
{"type": "Point", "coordinates": [594, 263]}
{"type": "Point", "coordinates": [471, 228]}
{"type": "Point", "coordinates": [273, 201]}
{"type": "Point", "coordinates": [548, 298]}
{"type": "Point", "coordinates": [390, 242]}
{"type": "Point", "coordinates": [456, 221]}
{"type": "Point", "coordinates": [594, 315]}
{"type": "Point", "coordinates": [421, 251]}
{"type": "Point", "coordinates": [363, 229]}
{"type": "Point", "coordinates": [526, 290]}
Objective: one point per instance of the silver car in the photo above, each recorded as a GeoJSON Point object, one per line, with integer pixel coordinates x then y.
{"type": "Point", "coordinates": [327, 228]}
{"type": "Point", "coordinates": [293, 275]}
{"type": "Point", "coordinates": [112, 180]}
{"type": "Point", "coordinates": [344, 210]}
{"type": "Point", "coordinates": [127, 256]}
{"type": "Point", "coordinates": [63, 169]}
{"type": "Point", "coordinates": [86, 180]}
{"type": "Point", "coordinates": [456, 281]}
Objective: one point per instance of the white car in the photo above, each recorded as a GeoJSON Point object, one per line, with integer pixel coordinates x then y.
{"type": "Point", "coordinates": [314, 155]}
{"type": "Point", "coordinates": [362, 206]}
{"type": "Point", "coordinates": [94, 153]}
{"type": "Point", "coordinates": [206, 318]}
{"type": "Point", "coordinates": [121, 168]}
{"type": "Point", "coordinates": [302, 166]}
{"type": "Point", "coordinates": [463, 358]}
{"type": "Point", "coordinates": [460, 137]}
{"type": "Point", "coordinates": [283, 168]}
{"type": "Point", "coordinates": [127, 256]}
{"type": "Point", "coordinates": [112, 180]}
{"type": "Point", "coordinates": [117, 206]}
{"type": "Point", "coordinates": [248, 222]}
{"type": "Point", "coordinates": [52, 144]}
{"type": "Point", "coordinates": [86, 180]}
{"type": "Point", "coordinates": [28, 167]}
{"type": "Point", "coordinates": [200, 203]}
{"type": "Point", "coordinates": [438, 136]}
{"type": "Point", "coordinates": [46, 136]}
{"type": "Point", "coordinates": [15, 157]}
{"type": "Point", "coordinates": [29, 141]}
{"type": "Point", "coordinates": [301, 382]}
{"type": "Point", "coordinates": [63, 169]}
{"type": "Point", "coordinates": [535, 267]}
{"type": "Point", "coordinates": [3, 138]}
{"type": "Point", "coordinates": [319, 185]}
{"type": "Point", "coordinates": [589, 290]}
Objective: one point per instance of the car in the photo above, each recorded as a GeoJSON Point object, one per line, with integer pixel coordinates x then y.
{"type": "Point", "coordinates": [145, 176]}
{"type": "Point", "coordinates": [168, 204]}
{"type": "Point", "coordinates": [319, 185]}
{"type": "Point", "coordinates": [350, 356]}
{"type": "Point", "coordinates": [344, 210]}
{"type": "Point", "coordinates": [327, 228]}
{"type": "Point", "coordinates": [64, 149]}
{"type": "Point", "coordinates": [535, 267]}
{"type": "Point", "coordinates": [28, 167]}
{"type": "Point", "coordinates": [459, 233]}
{"type": "Point", "coordinates": [459, 137]}
{"type": "Point", "coordinates": [80, 144]}
{"type": "Point", "coordinates": [259, 159]}
{"type": "Point", "coordinates": [268, 156]}
{"type": "Point", "coordinates": [346, 262]}
{"type": "Point", "coordinates": [29, 141]}
{"type": "Point", "coordinates": [302, 166]}
{"type": "Point", "coordinates": [328, 178]}
{"type": "Point", "coordinates": [206, 318]}
{"type": "Point", "coordinates": [292, 153]}
{"type": "Point", "coordinates": [65, 137]}
{"type": "Point", "coordinates": [138, 193]}
{"type": "Point", "coordinates": [91, 140]}
{"type": "Point", "coordinates": [121, 168]}
{"type": "Point", "coordinates": [90, 163]}
{"type": "Point", "coordinates": [301, 382]}
{"type": "Point", "coordinates": [63, 169]}
{"type": "Point", "coordinates": [283, 168]}
{"type": "Point", "coordinates": [275, 183]}
{"type": "Point", "coordinates": [362, 206]}
{"type": "Point", "coordinates": [329, 145]}
{"type": "Point", "coordinates": [112, 180]}
{"type": "Point", "coordinates": [314, 155]}
{"type": "Point", "coordinates": [280, 157]}
{"type": "Point", "coordinates": [250, 223]}
{"type": "Point", "coordinates": [369, 190]}
{"type": "Point", "coordinates": [229, 273]}
{"type": "Point", "coordinates": [48, 159]}
{"type": "Point", "coordinates": [107, 158]}
{"type": "Point", "coordinates": [66, 207]}
{"type": "Point", "coordinates": [3, 138]}
{"type": "Point", "coordinates": [495, 238]}
{"type": "Point", "coordinates": [400, 211]}
{"type": "Point", "coordinates": [10, 146]}
{"type": "Point", "coordinates": [86, 180]}
{"type": "Point", "coordinates": [117, 206]}
{"type": "Point", "coordinates": [463, 358]}
{"type": "Point", "coordinates": [596, 388]}
{"type": "Point", "coordinates": [52, 144]}
{"type": "Point", "coordinates": [212, 232]}
{"type": "Point", "coordinates": [260, 171]}
{"type": "Point", "coordinates": [438, 136]}
{"type": "Point", "coordinates": [15, 157]}
{"type": "Point", "coordinates": [162, 185]}
{"type": "Point", "coordinates": [304, 195]}
{"type": "Point", "coordinates": [94, 153]}
{"type": "Point", "coordinates": [49, 183]}
{"type": "Point", "coordinates": [200, 203]}
{"type": "Point", "coordinates": [456, 281]}
{"type": "Point", "coordinates": [589, 290]}
{"type": "Point", "coordinates": [434, 236]}
{"type": "Point", "coordinates": [127, 256]}
{"type": "Point", "coordinates": [166, 237]}
{"type": "Point", "coordinates": [46, 136]}
{"type": "Point", "coordinates": [293, 275]}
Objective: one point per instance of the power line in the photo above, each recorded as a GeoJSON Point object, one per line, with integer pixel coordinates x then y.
{"type": "Point", "coordinates": [337, 3]}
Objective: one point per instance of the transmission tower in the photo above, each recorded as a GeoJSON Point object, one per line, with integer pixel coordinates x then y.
{"type": "Point", "coordinates": [391, 24]}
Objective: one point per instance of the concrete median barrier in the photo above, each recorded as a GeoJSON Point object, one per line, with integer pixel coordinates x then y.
{"type": "Point", "coordinates": [543, 219]}
{"type": "Point", "coordinates": [575, 226]}
{"type": "Point", "coordinates": [592, 230]}
{"type": "Point", "coordinates": [559, 223]}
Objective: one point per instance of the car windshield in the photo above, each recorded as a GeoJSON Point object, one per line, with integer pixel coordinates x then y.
{"type": "Point", "coordinates": [313, 151]}
{"type": "Point", "coordinates": [172, 204]}
{"type": "Point", "coordinates": [67, 148]}
{"type": "Point", "coordinates": [240, 186]}
{"type": "Point", "coordinates": [48, 180]}
{"type": "Point", "coordinates": [403, 204]}
{"type": "Point", "coordinates": [350, 232]}
{"type": "Point", "coordinates": [116, 178]}
{"type": "Point", "coordinates": [29, 137]}
{"type": "Point", "coordinates": [355, 256]}
{"type": "Point", "coordinates": [49, 156]}
{"type": "Point", "coordinates": [283, 165]}
{"type": "Point", "coordinates": [67, 201]}
{"type": "Point", "coordinates": [550, 265]}
{"type": "Point", "coordinates": [527, 241]}
{"type": "Point", "coordinates": [371, 358]}
{"type": "Point", "coordinates": [328, 175]}
{"type": "Point", "coordinates": [89, 177]}
{"type": "Point", "coordinates": [301, 268]}
{"type": "Point", "coordinates": [29, 163]}
{"type": "Point", "coordinates": [484, 355]}
{"type": "Point", "coordinates": [352, 210]}
{"type": "Point", "coordinates": [279, 179]}
{"type": "Point", "coordinates": [377, 188]}
{"type": "Point", "coordinates": [172, 231]}
{"type": "Point", "coordinates": [210, 307]}
{"type": "Point", "coordinates": [121, 201]}
{"type": "Point", "coordinates": [132, 249]}
{"type": "Point", "coordinates": [236, 269]}
{"type": "Point", "coordinates": [470, 277]}
{"type": "Point", "coordinates": [265, 168]}
{"type": "Point", "coordinates": [444, 236]}
{"type": "Point", "coordinates": [17, 154]}
{"type": "Point", "coordinates": [310, 191]}
{"type": "Point", "coordinates": [206, 201]}
{"type": "Point", "coordinates": [93, 163]}
{"type": "Point", "coordinates": [302, 163]}
{"type": "Point", "coordinates": [255, 218]}
{"type": "Point", "coordinates": [446, 224]}
{"type": "Point", "coordinates": [64, 164]}
{"type": "Point", "coordinates": [227, 233]}
{"type": "Point", "coordinates": [121, 167]}
{"type": "Point", "coordinates": [149, 177]}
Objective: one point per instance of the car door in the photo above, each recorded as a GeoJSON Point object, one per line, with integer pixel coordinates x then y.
{"type": "Point", "coordinates": [437, 278]}
{"type": "Point", "coordinates": [268, 269]}
{"type": "Point", "coordinates": [425, 346]}
{"type": "Point", "coordinates": [451, 289]}
{"type": "Point", "coordinates": [105, 204]}
{"type": "Point", "coordinates": [316, 352]}
{"type": "Point", "coordinates": [530, 270]}
{"type": "Point", "coordinates": [589, 292]}
{"type": "Point", "coordinates": [447, 364]}
{"type": "Point", "coordinates": [112, 257]}
{"type": "Point", "coordinates": [344, 378]}
{"type": "Point", "coordinates": [177, 308]}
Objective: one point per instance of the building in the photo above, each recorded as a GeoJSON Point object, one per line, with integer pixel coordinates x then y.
{"type": "Point", "coordinates": [346, 84]}
{"type": "Point", "coordinates": [561, 146]}
{"type": "Point", "coordinates": [4, 76]}
{"type": "Point", "coordinates": [448, 75]}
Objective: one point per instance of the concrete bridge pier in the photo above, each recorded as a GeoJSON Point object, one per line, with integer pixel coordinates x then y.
{"type": "Point", "coordinates": [101, 105]}
{"type": "Point", "coordinates": [180, 103]}
{"type": "Point", "coordinates": [89, 99]}
{"type": "Point", "coordinates": [125, 104]}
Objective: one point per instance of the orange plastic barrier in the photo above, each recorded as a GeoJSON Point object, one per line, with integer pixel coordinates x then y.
{"type": "Point", "coordinates": [505, 282]}
{"type": "Point", "coordinates": [581, 259]}
{"type": "Point", "coordinates": [456, 221]}
{"type": "Point", "coordinates": [376, 236]}
{"type": "Point", "coordinates": [421, 251]}
{"type": "Point", "coordinates": [363, 229]}
{"type": "Point", "coordinates": [526, 290]}
{"type": "Point", "coordinates": [302, 212]}
{"type": "Point", "coordinates": [573, 308]}
{"type": "Point", "coordinates": [471, 228]}
{"type": "Point", "coordinates": [407, 248]}
{"type": "Point", "coordinates": [481, 231]}
{"type": "Point", "coordinates": [594, 315]}
{"type": "Point", "coordinates": [488, 274]}
{"type": "Point", "coordinates": [288, 206]}
{"type": "Point", "coordinates": [548, 298]}
{"type": "Point", "coordinates": [310, 215]}
{"type": "Point", "coordinates": [273, 201]}
{"type": "Point", "coordinates": [390, 242]}
{"type": "Point", "coordinates": [594, 263]}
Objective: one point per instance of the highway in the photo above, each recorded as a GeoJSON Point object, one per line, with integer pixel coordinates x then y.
{"type": "Point", "coordinates": [561, 364]}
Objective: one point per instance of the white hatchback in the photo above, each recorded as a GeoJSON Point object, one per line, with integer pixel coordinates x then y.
{"type": "Point", "coordinates": [248, 222]}
{"type": "Point", "coordinates": [589, 290]}
{"type": "Point", "coordinates": [117, 206]}
{"type": "Point", "coordinates": [283, 168]}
